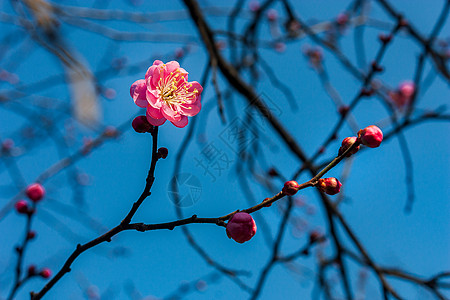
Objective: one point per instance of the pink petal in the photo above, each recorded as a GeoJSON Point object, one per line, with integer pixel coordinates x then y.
{"type": "Point", "coordinates": [191, 110]}
{"type": "Point", "coordinates": [154, 101]}
{"type": "Point", "coordinates": [182, 123]}
{"type": "Point", "coordinates": [155, 122]}
{"type": "Point", "coordinates": [137, 91]}
{"type": "Point", "coordinates": [169, 114]}
{"type": "Point", "coordinates": [195, 85]}
{"type": "Point", "coordinates": [157, 62]}
{"type": "Point", "coordinates": [172, 66]}
{"type": "Point", "coordinates": [149, 72]}
{"type": "Point", "coordinates": [154, 112]}
{"type": "Point", "coordinates": [158, 73]}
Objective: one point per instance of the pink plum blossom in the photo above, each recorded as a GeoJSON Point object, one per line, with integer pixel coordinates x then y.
{"type": "Point", "coordinates": [403, 95]}
{"type": "Point", "coordinates": [167, 95]}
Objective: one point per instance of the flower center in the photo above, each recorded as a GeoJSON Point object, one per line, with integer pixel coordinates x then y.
{"type": "Point", "coordinates": [174, 90]}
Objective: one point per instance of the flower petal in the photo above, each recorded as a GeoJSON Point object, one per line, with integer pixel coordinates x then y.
{"type": "Point", "coordinates": [169, 113]}
{"type": "Point", "coordinates": [181, 123]}
{"type": "Point", "coordinates": [172, 66]}
{"type": "Point", "coordinates": [154, 112]}
{"type": "Point", "coordinates": [153, 100]}
{"type": "Point", "coordinates": [137, 91]}
{"type": "Point", "coordinates": [155, 122]}
{"type": "Point", "coordinates": [190, 110]}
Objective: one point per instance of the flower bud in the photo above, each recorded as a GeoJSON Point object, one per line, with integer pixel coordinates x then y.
{"type": "Point", "coordinates": [342, 19]}
{"type": "Point", "coordinates": [343, 110]}
{"type": "Point", "coordinates": [385, 38]}
{"type": "Point", "coordinates": [330, 186]}
{"type": "Point", "coordinates": [141, 125]}
{"type": "Point", "coordinates": [347, 143]}
{"type": "Point", "coordinates": [272, 15]}
{"type": "Point", "coordinates": [31, 270]}
{"type": "Point", "coordinates": [35, 192]}
{"type": "Point", "coordinates": [407, 89]}
{"type": "Point", "coordinates": [290, 187]}
{"type": "Point", "coordinates": [370, 136]}
{"type": "Point", "coordinates": [45, 273]}
{"type": "Point", "coordinates": [21, 207]}
{"type": "Point", "coordinates": [376, 67]}
{"type": "Point", "coordinates": [273, 172]}
{"type": "Point", "coordinates": [241, 227]}
{"type": "Point", "coordinates": [163, 152]}
{"type": "Point", "coordinates": [314, 236]}
{"type": "Point", "coordinates": [31, 235]}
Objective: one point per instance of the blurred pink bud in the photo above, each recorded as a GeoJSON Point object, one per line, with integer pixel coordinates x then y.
{"type": "Point", "coordinates": [367, 92]}
{"type": "Point", "coordinates": [273, 172]}
{"type": "Point", "coordinates": [31, 270]}
{"type": "Point", "coordinates": [314, 236]}
{"type": "Point", "coordinates": [385, 38]}
{"type": "Point", "coordinates": [163, 152]}
{"type": "Point", "coordinates": [280, 47]}
{"type": "Point", "coordinates": [254, 5]}
{"type": "Point", "coordinates": [109, 93]}
{"type": "Point", "coordinates": [330, 186]}
{"type": "Point", "coordinates": [31, 235]}
{"type": "Point", "coordinates": [241, 227]}
{"type": "Point", "coordinates": [272, 15]}
{"type": "Point", "coordinates": [293, 27]}
{"type": "Point", "coordinates": [111, 131]}
{"type": "Point", "coordinates": [343, 110]}
{"type": "Point", "coordinates": [342, 19]}
{"type": "Point", "coordinates": [141, 125]}
{"type": "Point", "coordinates": [201, 285]}
{"type": "Point", "coordinates": [290, 187]}
{"type": "Point", "coordinates": [21, 207]}
{"type": "Point", "coordinates": [347, 143]}
{"type": "Point", "coordinates": [407, 89]}
{"type": "Point", "coordinates": [179, 53]}
{"type": "Point", "coordinates": [7, 145]}
{"type": "Point", "coordinates": [376, 67]}
{"type": "Point", "coordinates": [35, 192]}
{"type": "Point", "coordinates": [45, 273]}
{"type": "Point", "coordinates": [220, 45]}
{"type": "Point", "coordinates": [371, 136]}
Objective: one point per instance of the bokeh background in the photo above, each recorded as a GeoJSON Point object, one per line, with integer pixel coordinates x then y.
{"type": "Point", "coordinates": [43, 114]}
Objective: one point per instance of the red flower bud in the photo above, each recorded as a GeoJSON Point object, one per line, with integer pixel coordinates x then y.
{"type": "Point", "coordinates": [21, 207]}
{"type": "Point", "coordinates": [141, 125]}
{"type": "Point", "coordinates": [330, 186]}
{"type": "Point", "coordinates": [314, 236]}
{"type": "Point", "coordinates": [370, 136]}
{"type": "Point", "coordinates": [163, 152]}
{"type": "Point", "coordinates": [290, 187]}
{"type": "Point", "coordinates": [273, 172]}
{"type": "Point", "coordinates": [241, 227]}
{"type": "Point", "coordinates": [45, 273]}
{"type": "Point", "coordinates": [31, 235]}
{"type": "Point", "coordinates": [376, 67]}
{"type": "Point", "coordinates": [35, 192]}
{"type": "Point", "coordinates": [385, 38]}
{"type": "Point", "coordinates": [343, 110]}
{"type": "Point", "coordinates": [347, 143]}
{"type": "Point", "coordinates": [31, 270]}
